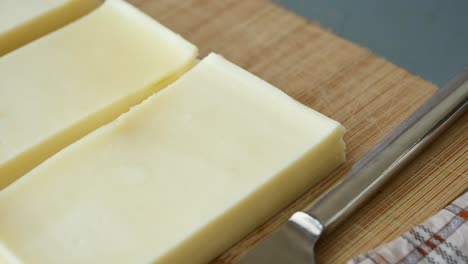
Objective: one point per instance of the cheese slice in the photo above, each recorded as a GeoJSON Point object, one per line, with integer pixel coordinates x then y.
{"type": "Point", "coordinates": [22, 21]}
{"type": "Point", "coordinates": [66, 84]}
{"type": "Point", "coordinates": [178, 179]}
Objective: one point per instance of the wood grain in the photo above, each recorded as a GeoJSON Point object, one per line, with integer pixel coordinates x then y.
{"type": "Point", "coordinates": [367, 94]}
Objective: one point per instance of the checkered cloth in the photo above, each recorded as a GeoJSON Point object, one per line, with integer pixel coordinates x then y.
{"type": "Point", "coordinates": [441, 239]}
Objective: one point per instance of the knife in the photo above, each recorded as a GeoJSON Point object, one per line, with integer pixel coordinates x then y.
{"type": "Point", "coordinates": [294, 241]}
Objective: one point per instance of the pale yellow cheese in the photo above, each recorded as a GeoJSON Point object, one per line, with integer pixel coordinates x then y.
{"type": "Point", "coordinates": [178, 179]}
{"type": "Point", "coordinates": [66, 84]}
{"type": "Point", "coordinates": [22, 21]}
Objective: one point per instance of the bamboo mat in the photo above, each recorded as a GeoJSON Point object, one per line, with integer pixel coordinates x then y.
{"type": "Point", "coordinates": [367, 94]}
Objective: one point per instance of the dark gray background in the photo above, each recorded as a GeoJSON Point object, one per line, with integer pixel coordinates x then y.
{"type": "Point", "coordinates": [426, 37]}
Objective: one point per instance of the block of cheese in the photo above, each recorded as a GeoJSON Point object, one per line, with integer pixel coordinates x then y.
{"type": "Point", "coordinates": [178, 179]}
{"type": "Point", "coordinates": [22, 21]}
{"type": "Point", "coordinates": [66, 84]}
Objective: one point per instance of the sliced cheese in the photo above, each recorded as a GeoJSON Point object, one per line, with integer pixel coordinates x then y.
{"type": "Point", "coordinates": [22, 21]}
{"type": "Point", "coordinates": [66, 84]}
{"type": "Point", "coordinates": [178, 179]}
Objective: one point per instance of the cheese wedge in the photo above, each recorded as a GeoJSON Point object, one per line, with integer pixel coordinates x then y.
{"type": "Point", "coordinates": [66, 84]}
{"type": "Point", "coordinates": [22, 21]}
{"type": "Point", "coordinates": [178, 179]}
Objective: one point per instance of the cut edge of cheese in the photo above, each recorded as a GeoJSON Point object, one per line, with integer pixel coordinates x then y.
{"type": "Point", "coordinates": [15, 168]}
{"type": "Point", "coordinates": [44, 23]}
{"type": "Point", "coordinates": [19, 165]}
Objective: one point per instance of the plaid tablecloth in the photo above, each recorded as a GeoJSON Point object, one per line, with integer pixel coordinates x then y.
{"type": "Point", "coordinates": [443, 238]}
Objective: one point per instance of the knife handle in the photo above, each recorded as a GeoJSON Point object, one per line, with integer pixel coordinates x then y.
{"type": "Point", "coordinates": [392, 153]}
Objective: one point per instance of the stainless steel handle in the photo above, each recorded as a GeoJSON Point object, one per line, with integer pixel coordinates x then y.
{"type": "Point", "coordinates": [378, 165]}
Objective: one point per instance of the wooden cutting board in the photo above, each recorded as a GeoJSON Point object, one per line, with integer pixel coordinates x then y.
{"type": "Point", "coordinates": [367, 94]}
